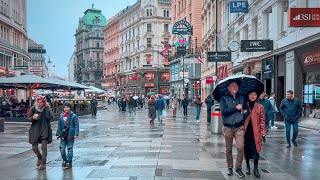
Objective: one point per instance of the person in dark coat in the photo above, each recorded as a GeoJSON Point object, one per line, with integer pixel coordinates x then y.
{"type": "Point", "coordinates": [67, 131]}
{"type": "Point", "coordinates": [185, 103]}
{"type": "Point", "coordinates": [40, 131]}
{"type": "Point", "coordinates": [123, 105]}
{"type": "Point", "coordinates": [291, 110]}
{"type": "Point", "coordinates": [209, 102]}
{"type": "Point", "coordinates": [268, 110]}
{"type": "Point", "coordinates": [152, 104]}
{"type": "Point", "coordinates": [94, 105]}
{"type": "Point", "coordinates": [255, 132]}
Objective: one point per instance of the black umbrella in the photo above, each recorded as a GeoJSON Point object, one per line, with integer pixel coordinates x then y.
{"type": "Point", "coordinates": [246, 84]}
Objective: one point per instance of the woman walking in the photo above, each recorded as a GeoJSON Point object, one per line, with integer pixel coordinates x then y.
{"type": "Point", "coordinates": [40, 131]}
{"type": "Point", "coordinates": [152, 109]}
{"type": "Point", "coordinates": [254, 126]}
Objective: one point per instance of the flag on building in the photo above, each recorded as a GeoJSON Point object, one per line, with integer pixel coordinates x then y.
{"type": "Point", "coordinates": [200, 60]}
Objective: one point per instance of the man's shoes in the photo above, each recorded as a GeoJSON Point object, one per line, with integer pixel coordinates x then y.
{"type": "Point", "coordinates": [288, 146]}
{"type": "Point", "coordinates": [240, 173]}
{"type": "Point", "coordinates": [274, 127]}
{"type": "Point", "coordinates": [230, 172]}
{"type": "Point", "coordinates": [68, 165]}
{"type": "Point", "coordinates": [256, 173]}
{"type": "Point", "coordinates": [295, 144]}
{"type": "Point", "coordinates": [64, 163]}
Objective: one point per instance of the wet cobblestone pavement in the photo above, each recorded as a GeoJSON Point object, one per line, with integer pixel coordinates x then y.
{"type": "Point", "coordinates": [117, 146]}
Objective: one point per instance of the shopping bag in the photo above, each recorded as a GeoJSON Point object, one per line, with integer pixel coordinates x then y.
{"type": "Point", "coordinates": [164, 114]}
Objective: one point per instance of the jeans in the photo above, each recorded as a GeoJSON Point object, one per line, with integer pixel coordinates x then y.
{"type": "Point", "coordinates": [198, 109]}
{"type": "Point", "coordinates": [267, 122]}
{"type": "Point", "coordinates": [185, 110]}
{"type": "Point", "coordinates": [130, 109]}
{"type": "Point", "coordinates": [273, 117]}
{"type": "Point", "coordinates": [159, 115]}
{"type": "Point", "coordinates": [209, 114]}
{"type": "Point", "coordinates": [44, 148]}
{"type": "Point", "coordinates": [295, 130]}
{"type": "Point", "coordinates": [62, 147]}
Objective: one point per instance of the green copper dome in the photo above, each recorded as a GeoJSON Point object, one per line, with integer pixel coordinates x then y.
{"type": "Point", "coordinates": [93, 17]}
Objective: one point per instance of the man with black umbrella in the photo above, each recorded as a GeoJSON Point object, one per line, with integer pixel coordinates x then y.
{"type": "Point", "coordinates": [232, 108]}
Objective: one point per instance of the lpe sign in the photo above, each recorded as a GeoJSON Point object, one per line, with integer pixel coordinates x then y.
{"type": "Point", "coordinates": [304, 17]}
{"type": "Point", "coordinates": [237, 6]}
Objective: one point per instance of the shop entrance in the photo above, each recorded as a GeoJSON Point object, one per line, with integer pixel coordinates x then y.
{"type": "Point", "coordinates": [268, 86]}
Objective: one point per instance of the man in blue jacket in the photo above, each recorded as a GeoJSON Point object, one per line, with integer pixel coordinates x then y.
{"type": "Point", "coordinates": [268, 110]}
{"type": "Point", "coordinates": [160, 107]}
{"type": "Point", "coordinates": [232, 108]}
{"type": "Point", "coordinates": [68, 131]}
{"type": "Point", "coordinates": [291, 110]}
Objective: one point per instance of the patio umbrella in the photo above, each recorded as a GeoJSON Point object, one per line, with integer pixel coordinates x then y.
{"type": "Point", "coordinates": [246, 84]}
{"type": "Point", "coordinates": [135, 97]}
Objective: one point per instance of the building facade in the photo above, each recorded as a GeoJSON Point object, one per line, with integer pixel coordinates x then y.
{"type": "Point", "coordinates": [72, 67]}
{"type": "Point", "coordinates": [143, 28]}
{"type": "Point", "coordinates": [89, 48]}
{"type": "Point", "coordinates": [38, 64]}
{"type": "Point", "coordinates": [180, 69]}
{"type": "Point", "coordinates": [292, 64]}
{"type": "Point", "coordinates": [13, 37]}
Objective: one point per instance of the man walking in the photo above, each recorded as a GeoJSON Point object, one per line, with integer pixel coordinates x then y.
{"type": "Point", "coordinates": [198, 105]}
{"type": "Point", "coordinates": [275, 110]}
{"type": "Point", "coordinates": [209, 102]}
{"type": "Point", "coordinates": [174, 105]}
{"type": "Point", "coordinates": [232, 108]}
{"type": "Point", "coordinates": [185, 104]}
{"type": "Point", "coordinates": [160, 106]}
{"type": "Point", "coordinates": [291, 110]}
{"type": "Point", "coordinates": [268, 111]}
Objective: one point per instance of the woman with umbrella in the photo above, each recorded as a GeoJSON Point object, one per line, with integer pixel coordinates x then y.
{"type": "Point", "coordinates": [254, 126]}
{"type": "Point", "coordinates": [152, 109]}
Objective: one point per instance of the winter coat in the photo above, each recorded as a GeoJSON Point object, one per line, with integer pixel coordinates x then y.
{"type": "Point", "coordinates": [209, 101]}
{"type": "Point", "coordinates": [198, 103]}
{"type": "Point", "coordinates": [232, 117]}
{"type": "Point", "coordinates": [291, 110]}
{"type": "Point", "coordinates": [185, 102]}
{"type": "Point", "coordinates": [41, 128]}
{"type": "Point", "coordinates": [160, 104]}
{"type": "Point", "coordinates": [257, 116]}
{"type": "Point", "coordinates": [73, 126]}
{"type": "Point", "coordinates": [268, 110]}
{"type": "Point", "coordinates": [152, 109]}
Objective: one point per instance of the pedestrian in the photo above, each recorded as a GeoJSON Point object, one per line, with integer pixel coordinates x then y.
{"type": "Point", "coordinates": [198, 105]}
{"type": "Point", "coordinates": [152, 104]}
{"type": "Point", "coordinates": [291, 110]}
{"type": "Point", "coordinates": [274, 110]}
{"type": "Point", "coordinates": [40, 131]}
{"type": "Point", "coordinates": [255, 132]}
{"type": "Point", "coordinates": [160, 108]}
{"type": "Point", "coordinates": [130, 104]}
{"type": "Point", "coordinates": [268, 111]}
{"type": "Point", "coordinates": [119, 104]}
{"type": "Point", "coordinates": [209, 102]}
{"type": "Point", "coordinates": [232, 108]}
{"type": "Point", "coordinates": [135, 105]}
{"type": "Point", "coordinates": [67, 131]}
{"type": "Point", "coordinates": [94, 105]}
{"type": "Point", "coordinates": [185, 103]}
{"type": "Point", "coordinates": [174, 105]}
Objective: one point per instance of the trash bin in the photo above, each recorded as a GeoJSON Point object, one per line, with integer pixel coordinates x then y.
{"type": "Point", "coordinates": [1, 124]}
{"type": "Point", "coordinates": [216, 120]}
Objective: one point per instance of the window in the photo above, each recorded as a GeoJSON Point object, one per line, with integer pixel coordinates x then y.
{"type": "Point", "coordinates": [138, 44]}
{"type": "Point", "coordinates": [138, 30]}
{"type": "Point", "coordinates": [147, 12]}
{"type": "Point", "coordinates": [149, 42]}
{"type": "Point", "coordinates": [166, 39]}
{"type": "Point", "coordinates": [129, 34]}
{"type": "Point", "coordinates": [148, 60]}
{"type": "Point", "coordinates": [98, 55]}
{"type": "Point", "coordinates": [284, 23]}
{"type": "Point", "coordinates": [133, 32]}
{"type": "Point", "coordinates": [148, 27]}
{"type": "Point", "coordinates": [166, 27]}
{"type": "Point", "coordinates": [126, 36]}
{"type": "Point", "coordinates": [150, 12]}
{"type": "Point", "coordinates": [98, 44]}
{"type": "Point", "coordinates": [167, 13]}
{"type": "Point", "coordinates": [164, 13]}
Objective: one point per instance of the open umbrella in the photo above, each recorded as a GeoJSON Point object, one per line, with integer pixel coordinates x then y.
{"type": "Point", "coordinates": [246, 84]}
{"type": "Point", "coordinates": [135, 97]}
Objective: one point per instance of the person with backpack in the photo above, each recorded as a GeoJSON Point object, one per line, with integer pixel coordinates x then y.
{"type": "Point", "coordinates": [67, 132]}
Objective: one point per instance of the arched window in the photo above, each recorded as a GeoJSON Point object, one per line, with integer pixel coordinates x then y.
{"type": "Point", "coordinates": [147, 12]}
{"type": "Point", "coordinates": [164, 13]}
{"type": "Point", "coordinates": [168, 13]}
{"type": "Point", "coordinates": [150, 12]}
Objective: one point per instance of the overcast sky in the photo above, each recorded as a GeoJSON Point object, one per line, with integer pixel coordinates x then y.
{"type": "Point", "coordinates": [53, 24]}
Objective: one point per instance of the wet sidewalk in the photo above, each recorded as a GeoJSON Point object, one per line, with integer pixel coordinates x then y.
{"type": "Point", "coordinates": [117, 146]}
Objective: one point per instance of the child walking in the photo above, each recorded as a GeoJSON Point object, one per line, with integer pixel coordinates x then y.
{"type": "Point", "coordinates": [68, 131]}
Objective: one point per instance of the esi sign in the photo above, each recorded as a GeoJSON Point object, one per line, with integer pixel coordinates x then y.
{"type": "Point", "coordinates": [237, 6]}
{"type": "Point", "coordinates": [304, 17]}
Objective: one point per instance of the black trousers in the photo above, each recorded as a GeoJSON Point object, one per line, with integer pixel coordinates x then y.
{"type": "Point", "coordinates": [209, 114]}
{"type": "Point", "coordinates": [185, 111]}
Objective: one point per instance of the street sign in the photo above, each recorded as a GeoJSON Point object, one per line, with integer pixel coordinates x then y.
{"type": "Point", "coordinates": [237, 6]}
{"type": "Point", "coordinates": [184, 74]}
{"type": "Point", "coordinates": [256, 45]}
{"type": "Point", "coordinates": [181, 50]}
{"type": "Point", "coordinates": [187, 29]}
{"type": "Point", "coordinates": [223, 56]}
{"type": "Point", "coordinates": [21, 67]}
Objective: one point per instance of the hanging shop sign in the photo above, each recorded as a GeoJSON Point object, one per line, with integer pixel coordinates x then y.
{"type": "Point", "coordinates": [311, 58]}
{"type": "Point", "coordinates": [182, 27]}
{"type": "Point", "coordinates": [21, 67]}
{"type": "Point", "coordinates": [223, 56]}
{"type": "Point", "coordinates": [304, 17]}
{"type": "Point", "coordinates": [256, 45]}
{"type": "Point", "coordinates": [149, 84]}
{"type": "Point", "coordinates": [237, 6]}
{"type": "Point", "coordinates": [209, 80]}
{"type": "Point", "coordinates": [181, 50]}
{"type": "Point", "coordinates": [267, 69]}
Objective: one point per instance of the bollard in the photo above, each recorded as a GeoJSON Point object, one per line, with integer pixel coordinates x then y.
{"type": "Point", "coordinates": [216, 121]}
{"type": "Point", "coordinates": [1, 124]}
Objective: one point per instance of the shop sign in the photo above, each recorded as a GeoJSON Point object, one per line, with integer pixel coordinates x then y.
{"type": "Point", "coordinates": [36, 69]}
{"type": "Point", "coordinates": [149, 84]}
{"type": "Point", "coordinates": [21, 67]}
{"type": "Point", "coordinates": [317, 93]}
{"type": "Point", "coordinates": [222, 56]}
{"type": "Point", "coordinates": [311, 58]}
{"type": "Point", "coordinates": [256, 45]}
{"type": "Point", "coordinates": [105, 84]}
{"type": "Point", "coordinates": [222, 72]}
{"type": "Point", "coordinates": [304, 17]}
{"type": "Point", "coordinates": [181, 50]}
{"type": "Point", "coordinates": [186, 29]}
{"type": "Point", "coordinates": [209, 80]}
{"type": "Point", "coordinates": [196, 85]}
{"type": "Point", "coordinates": [267, 69]}
{"type": "Point", "coordinates": [134, 78]}
{"type": "Point", "coordinates": [237, 6]}
{"type": "Point", "coordinates": [184, 74]}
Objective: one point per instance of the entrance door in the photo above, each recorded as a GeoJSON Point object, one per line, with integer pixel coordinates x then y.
{"type": "Point", "coordinates": [268, 86]}
{"type": "Point", "coordinates": [280, 94]}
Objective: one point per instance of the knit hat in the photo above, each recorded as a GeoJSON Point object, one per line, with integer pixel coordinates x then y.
{"type": "Point", "coordinates": [67, 104]}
